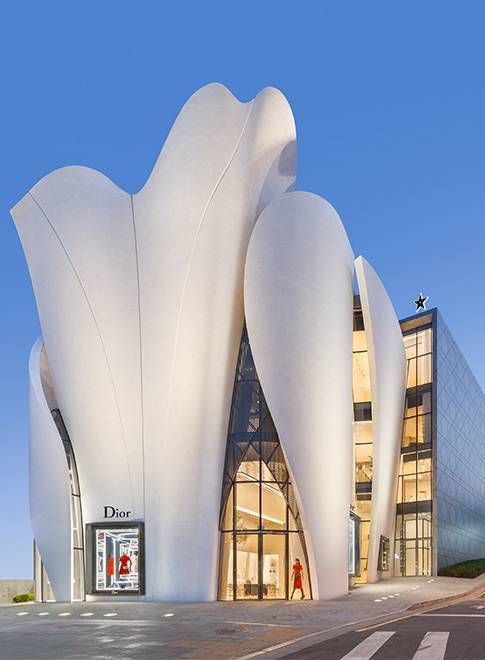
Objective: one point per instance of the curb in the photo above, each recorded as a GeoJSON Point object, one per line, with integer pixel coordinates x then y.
{"type": "Point", "coordinates": [476, 590]}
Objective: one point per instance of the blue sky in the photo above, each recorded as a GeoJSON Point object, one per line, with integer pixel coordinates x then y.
{"type": "Point", "coordinates": [389, 102]}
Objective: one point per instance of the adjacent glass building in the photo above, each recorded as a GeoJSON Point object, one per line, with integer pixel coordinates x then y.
{"type": "Point", "coordinates": [440, 491]}
{"type": "Point", "coordinates": [414, 511]}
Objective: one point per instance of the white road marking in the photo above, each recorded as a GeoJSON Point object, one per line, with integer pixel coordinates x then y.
{"type": "Point", "coordinates": [111, 614]}
{"type": "Point", "coordinates": [433, 646]}
{"type": "Point", "coordinates": [366, 649]}
{"type": "Point", "coordinates": [478, 607]}
{"type": "Point", "coordinates": [480, 616]}
{"type": "Point", "coordinates": [87, 614]}
{"type": "Point", "coordinates": [21, 613]}
{"type": "Point", "coordinates": [313, 635]}
{"type": "Point", "coordinates": [377, 600]}
{"type": "Point", "coordinates": [64, 614]}
{"type": "Point", "coordinates": [42, 613]}
{"type": "Point", "coordinates": [168, 614]}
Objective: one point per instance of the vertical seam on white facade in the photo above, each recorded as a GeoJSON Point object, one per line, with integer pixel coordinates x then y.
{"type": "Point", "coordinates": [78, 278]}
{"type": "Point", "coordinates": [142, 414]}
{"type": "Point", "coordinates": [191, 255]}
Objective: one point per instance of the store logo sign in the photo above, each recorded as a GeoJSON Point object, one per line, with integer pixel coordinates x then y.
{"type": "Point", "coordinates": [113, 512]}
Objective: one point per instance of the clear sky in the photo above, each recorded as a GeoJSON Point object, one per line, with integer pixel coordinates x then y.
{"type": "Point", "coordinates": [388, 98]}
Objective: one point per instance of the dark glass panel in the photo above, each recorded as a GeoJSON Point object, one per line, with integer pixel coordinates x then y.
{"type": "Point", "coordinates": [363, 411]}
{"type": "Point", "coordinates": [358, 320]}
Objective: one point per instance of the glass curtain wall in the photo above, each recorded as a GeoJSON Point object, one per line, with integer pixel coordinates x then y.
{"type": "Point", "coordinates": [413, 554]}
{"type": "Point", "coordinates": [43, 589]}
{"type": "Point", "coordinates": [261, 531]}
{"type": "Point", "coordinates": [362, 429]}
{"type": "Point", "coordinates": [43, 586]}
{"type": "Point", "coordinates": [78, 586]}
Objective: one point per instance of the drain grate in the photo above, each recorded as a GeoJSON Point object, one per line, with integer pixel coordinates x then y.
{"type": "Point", "coordinates": [232, 631]}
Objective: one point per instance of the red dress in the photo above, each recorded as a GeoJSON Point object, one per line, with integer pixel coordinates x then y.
{"type": "Point", "coordinates": [297, 570]}
{"type": "Point", "coordinates": [124, 565]}
{"type": "Point", "coordinates": [111, 566]}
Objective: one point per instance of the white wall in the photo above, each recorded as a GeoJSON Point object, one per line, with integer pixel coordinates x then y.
{"type": "Point", "coordinates": [299, 310]}
{"type": "Point", "coordinates": [387, 367]}
{"type": "Point", "coordinates": [141, 307]}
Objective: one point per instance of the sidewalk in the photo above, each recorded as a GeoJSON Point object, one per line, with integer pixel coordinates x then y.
{"type": "Point", "coordinates": [213, 630]}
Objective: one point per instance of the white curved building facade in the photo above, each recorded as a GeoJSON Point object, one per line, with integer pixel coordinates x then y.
{"type": "Point", "coordinates": [197, 339]}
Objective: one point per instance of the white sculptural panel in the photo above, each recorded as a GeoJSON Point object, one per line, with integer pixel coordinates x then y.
{"type": "Point", "coordinates": [50, 494]}
{"type": "Point", "coordinates": [299, 306]}
{"type": "Point", "coordinates": [387, 367]}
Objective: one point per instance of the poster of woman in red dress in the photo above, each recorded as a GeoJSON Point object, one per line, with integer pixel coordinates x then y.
{"type": "Point", "coordinates": [297, 577]}
{"type": "Point", "coordinates": [125, 564]}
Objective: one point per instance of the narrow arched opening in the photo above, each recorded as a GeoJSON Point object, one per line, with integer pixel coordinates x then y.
{"type": "Point", "coordinates": [261, 532]}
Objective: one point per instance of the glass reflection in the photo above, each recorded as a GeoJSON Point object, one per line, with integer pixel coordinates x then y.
{"type": "Point", "coordinates": [361, 378]}
{"type": "Point", "coordinates": [274, 554]}
{"type": "Point", "coordinates": [247, 506]}
{"type": "Point", "coordinates": [273, 515]}
{"type": "Point", "coordinates": [247, 583]}
{"type": "Point", "coordinates": [226, 587]}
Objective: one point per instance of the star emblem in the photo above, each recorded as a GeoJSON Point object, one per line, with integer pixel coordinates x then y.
{"type": "Point", "coordinates": [421, 302]}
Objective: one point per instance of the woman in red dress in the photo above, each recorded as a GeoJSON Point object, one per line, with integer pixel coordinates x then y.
{"type": "Point", "coordinates": [297, 577]}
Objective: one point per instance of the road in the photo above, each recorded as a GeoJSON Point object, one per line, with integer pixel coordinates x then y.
{"type": "Point", "coordinates": [136, 631]}
{"type": "Point", "coordinates": [454, 632]}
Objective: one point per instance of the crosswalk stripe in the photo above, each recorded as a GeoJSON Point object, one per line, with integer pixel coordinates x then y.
{"type": "Point", "coordinates": [433, 646]}
{"type": "Point", "coordinates": [366, 649]}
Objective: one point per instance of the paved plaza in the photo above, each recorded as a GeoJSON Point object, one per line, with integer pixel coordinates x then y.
{"type": "Point", "coordinates": [221, 630]}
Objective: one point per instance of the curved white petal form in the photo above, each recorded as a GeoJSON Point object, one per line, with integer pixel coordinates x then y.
{"type": "Point", "coordinates": [299, 306]}
{"type": "Point", "coordinates": [140, 302]}
{"type": "Point", "coordinates": [77, 233]}
{"type": "Point", "coordinates": [387, 367]}
{"type": "Point", "coordinates": [50, 494]}
{"type": "Point", "coordinates": [222, 162]}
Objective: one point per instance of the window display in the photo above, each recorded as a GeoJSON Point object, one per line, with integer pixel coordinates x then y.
{"type": "Point", "coordinates": [354, 545]}
{"type": "Point", "coordinates": [117, 550]}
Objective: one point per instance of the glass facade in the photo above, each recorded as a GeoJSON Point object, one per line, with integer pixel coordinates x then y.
{"type": "Point", "coordinates": [43, 587]}
{"type": "Point", "coordinates": [261, 531]}
{"type": "Point", "coordinates": [78, 586]}
{"type": "Point", "coordinates": [362, 430]}
{"type": "Point", "coordinates": [460, 455]}
{"type": "Point", "coordinates": [413, 547]}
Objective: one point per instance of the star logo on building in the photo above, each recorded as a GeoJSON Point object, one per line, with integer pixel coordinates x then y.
{"type": "Point", "coordinates": [421, 302]}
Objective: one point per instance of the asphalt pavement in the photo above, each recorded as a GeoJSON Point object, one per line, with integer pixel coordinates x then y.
{"type": "Point", "coordinates": [455, 632]}
{"type": "Point", "coordinates": [267, 629]}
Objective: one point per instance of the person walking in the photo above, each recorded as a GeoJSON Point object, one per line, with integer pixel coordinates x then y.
{"type": "Point", "coordinates": [297, 577]}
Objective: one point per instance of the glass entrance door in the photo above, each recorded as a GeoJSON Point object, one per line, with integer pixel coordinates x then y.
{"type": "Point", "coordinates": [261, 566]}
{"type": "Point", "coordinates": [247, 566]}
